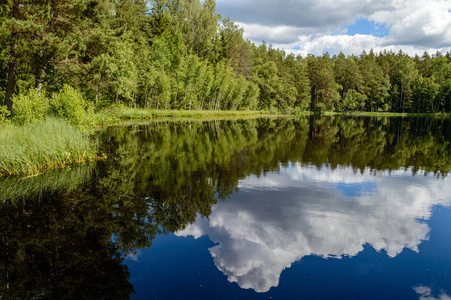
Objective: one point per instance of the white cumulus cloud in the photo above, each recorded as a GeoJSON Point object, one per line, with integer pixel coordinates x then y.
{"type": "Point", "coordinates": [414, 26]}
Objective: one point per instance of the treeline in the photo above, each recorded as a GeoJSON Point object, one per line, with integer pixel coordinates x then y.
{"type": "Point", "coordinates": [180, 54]}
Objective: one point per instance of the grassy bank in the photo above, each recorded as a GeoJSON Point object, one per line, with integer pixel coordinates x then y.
{"type": "Point", "coordinates": [32, 148]}
{"type": "Point", "coordinates": [371, 114]}
{"type": "Point", "coordinates": [392, 114]}
{"type": "Point", "coordinates": [35, 147]}
{"type": "Point", "coordinates": [118, 114]}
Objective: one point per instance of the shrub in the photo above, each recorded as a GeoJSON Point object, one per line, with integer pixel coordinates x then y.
{"type": "Point", "coordinates": [70, 105]}
{"type": "Point", "coordinates": [4, 114]}
{"type": "Point", "coordinates": [297, 111]}
{"type": "Point", "coordinates": [29, 107]}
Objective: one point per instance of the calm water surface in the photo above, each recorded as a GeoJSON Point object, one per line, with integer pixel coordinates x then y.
{"type": "Point", "coordinates": [311, 208]}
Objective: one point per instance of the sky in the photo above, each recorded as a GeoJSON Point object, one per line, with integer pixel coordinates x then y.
{"type": "Point", "coordinates": [350, 26]}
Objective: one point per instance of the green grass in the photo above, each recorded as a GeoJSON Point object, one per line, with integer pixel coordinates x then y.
{"type": "Point", "coordinates": [359, 113]}
{"type": "Point", "coordinates": [392, 114]}
{"type": "Point", "coordinates": [32, 148]}
{"type": "Point", "coordinates": [372, 114]}
{"type": "Point", "coordinates": [121, 114]}
{"type": "Point", "coordinates": [114, 115]}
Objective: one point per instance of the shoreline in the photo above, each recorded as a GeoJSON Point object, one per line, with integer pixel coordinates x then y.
{"type": "Point", "coordinates": [31, 159]}
{"type": "Point", "coordinates": [116, 117]}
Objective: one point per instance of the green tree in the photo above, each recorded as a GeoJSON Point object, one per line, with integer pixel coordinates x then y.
{"type": "Point", "coordinates": [324, 89]}
{"type": "Point", "coordinates": [376, 83]}
{"type": "Point", "coordinates": [407, 73]}
{"type": "Point", "coordinates": [50, 40]}
{"type": "Point", "coordinates": [349, 77]}
{"type": "Point", "coordinates": [266, 77]}
{"type": "Point", "coordinates": [441, 70]}
{"type": "Point", "coordinates": [301, 83]}
{"type": "Point", "coordinates": [234, 48]}
{"type": "Point", "coordinates": [425, 90]}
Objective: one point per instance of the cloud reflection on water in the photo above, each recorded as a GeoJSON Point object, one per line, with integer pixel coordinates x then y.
{"type": "Point", "coordinates": [276, 219]}
{"type": "Point", "coordinates": [426, 294]}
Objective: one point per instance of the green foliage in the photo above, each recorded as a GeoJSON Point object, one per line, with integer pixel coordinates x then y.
{"type": "Point", "coordinates": [269, 83]}
{"type": "Point", "coordinates": [30, 107]}
{"type": "Point", "coordinates": [125, 113]}
{"type": "Point", "coordinates": [301, 83]}
{"type": "Point", "coordinates": [352, 100]}
{"type": "Point", "coordinates": [325, 94]}
{"type": "Point", "coordinates": [4, 114]}
{"type": "Point", "coordinates": [70, 105]}
{"type": "Point", "coordinates": [31, 148]}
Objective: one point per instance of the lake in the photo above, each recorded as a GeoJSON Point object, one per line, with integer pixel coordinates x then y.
{"type": "Point", "coordinates": [283, 208]}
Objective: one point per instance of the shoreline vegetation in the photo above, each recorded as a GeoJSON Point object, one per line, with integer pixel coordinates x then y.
{"type": "Point", "coordinates": [105, 118]}
{"type": "Point", "coordinates": [32, 148]}
{"type": "Point", "coordinates": [117, 115]}
{"type": "Point", "coordinates": [94, 63]}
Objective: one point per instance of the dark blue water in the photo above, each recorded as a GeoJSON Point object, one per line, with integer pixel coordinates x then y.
{"type": "Point", "coordinates": [309, 233]}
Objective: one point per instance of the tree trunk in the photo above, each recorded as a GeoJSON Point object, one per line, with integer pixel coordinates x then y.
{"type": "Point", "coordinates": [192, 35]}
{"type": "Point", "coordinates": [40, 73]}
{"type": "Point", "coordinates": [13, 63]}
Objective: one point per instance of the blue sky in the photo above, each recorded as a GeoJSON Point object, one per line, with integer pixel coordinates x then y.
{"type": "Point", "coordinates": [365, 26]}
{"type": "Point", "coordinates": [350, 26]}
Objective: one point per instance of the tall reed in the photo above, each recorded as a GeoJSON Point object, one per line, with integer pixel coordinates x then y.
{"type": "Point", "coordinates": [31, 148]}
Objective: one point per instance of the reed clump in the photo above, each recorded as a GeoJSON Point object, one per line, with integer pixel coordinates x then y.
{"type": "Point", "coordinates": [31, 148]}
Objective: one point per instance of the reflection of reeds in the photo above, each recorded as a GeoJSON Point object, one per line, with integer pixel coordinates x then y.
{"type": "Point", "coordinates": [49, 182]}
{"type": "Point", "coordinates": [49, 144]}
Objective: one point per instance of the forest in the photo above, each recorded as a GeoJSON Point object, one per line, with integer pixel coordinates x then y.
{"type": "Point", "coordinates": [181, 54]}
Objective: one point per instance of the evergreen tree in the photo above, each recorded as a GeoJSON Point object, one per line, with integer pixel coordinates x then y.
{"type": "Point", "coordinates": [376, 83]}
{"type": "Point", "coordinates": [324, 89]}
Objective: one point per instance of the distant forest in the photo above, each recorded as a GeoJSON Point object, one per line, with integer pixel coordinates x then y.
{"type": "Point", "coordinates": [181, 54]}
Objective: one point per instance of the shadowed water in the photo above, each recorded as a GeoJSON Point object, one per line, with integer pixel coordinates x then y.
{"type": "Point", "coordinates": [319, 207]}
